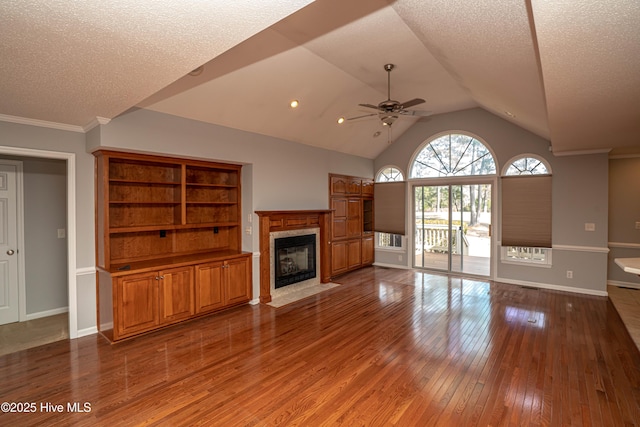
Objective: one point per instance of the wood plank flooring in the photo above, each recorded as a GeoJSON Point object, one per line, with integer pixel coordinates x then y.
{"type": "Point", "coordinates": [387, 347]}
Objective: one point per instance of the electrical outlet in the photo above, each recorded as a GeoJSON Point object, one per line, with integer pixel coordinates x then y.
{"type": "Point", "coordinates": [589, 226]}
{"type": "Point", "coordinates": [399, 257]}
{"type": "Point", "coordinates": [637, 225]}
{"type": "Point", "coordinates": [61, 233]}
{"type": "Point", "coordinates": [569, 274]}
{"type": "Point", "coordinates": [248, 230]}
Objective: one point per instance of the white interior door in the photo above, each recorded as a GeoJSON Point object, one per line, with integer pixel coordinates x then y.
{"type": "Point", "coordinates": [9, 307]}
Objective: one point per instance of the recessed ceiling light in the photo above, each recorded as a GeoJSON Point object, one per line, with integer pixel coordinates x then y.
{"type": "Point", "coordinates": [510, 114]}
{"type": "Point", "coordinates": [341, 120]}
{"type": "Point", "coordinates": [294, 103]}
{"type": "Point", "coordinates": [197, 71]}
{"type": "Point", "coordinates": [377, 134]}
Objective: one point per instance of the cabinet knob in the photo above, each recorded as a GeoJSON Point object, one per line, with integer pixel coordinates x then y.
{"type": "Point", "coordinates": [162, 277]}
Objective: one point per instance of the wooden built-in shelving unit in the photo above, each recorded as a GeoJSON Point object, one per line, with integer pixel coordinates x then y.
{"type": "Point", "coordinates": [155, 213]}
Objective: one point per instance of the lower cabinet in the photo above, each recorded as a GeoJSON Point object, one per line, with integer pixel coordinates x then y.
{"type": "Point", "coordinates": [222, 283]}
{"type": "Point", "coordinates": [346, 255]}
{"type": "Point", "coordinates": [149, 300]}
{"type": "Point", "coordinates": [367, 250]}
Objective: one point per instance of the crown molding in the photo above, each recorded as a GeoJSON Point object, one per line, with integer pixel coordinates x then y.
{"type": "Point", "coordinates": [95, 122]}
{"type": "Point", "coordinates": [40, 123]}
{"type": "Point", "coordinates": [581, 152]}
{"type": "Point", "coordinates": [53, 125]}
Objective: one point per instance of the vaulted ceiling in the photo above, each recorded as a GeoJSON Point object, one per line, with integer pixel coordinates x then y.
{"type": "Point", "coordinates": [568, 71]}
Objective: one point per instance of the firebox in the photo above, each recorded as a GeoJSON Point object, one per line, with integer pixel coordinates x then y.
{"type": "Point", "coordinates": [295, 259]}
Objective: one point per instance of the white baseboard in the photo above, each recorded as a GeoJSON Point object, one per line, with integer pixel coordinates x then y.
{"type": "Point", "coordinates": [620, 284]}
{"type": "Point", "coordinates": [401, 267]}
{"type": "Point", "coordinates": [552, 287]}
{"type": "Point", "coordinates": [47, 313]}
{"type": "Point", "coordinates": [88, 331]}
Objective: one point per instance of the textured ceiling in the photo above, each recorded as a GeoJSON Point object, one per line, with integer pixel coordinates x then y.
{"type": "Point", "coordinates": [70, 61]}
{"type": "Point", "coordinates": [568, 71]}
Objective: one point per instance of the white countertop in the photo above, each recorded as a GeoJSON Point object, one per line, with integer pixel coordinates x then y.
{"type": "Point", "coordinates": [630, 265]}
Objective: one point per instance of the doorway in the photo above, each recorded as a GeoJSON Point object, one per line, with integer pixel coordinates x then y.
{"type": "Point", "coordinates": [70, 161]}
{"type": "Point", "coordinates": [452, 227]}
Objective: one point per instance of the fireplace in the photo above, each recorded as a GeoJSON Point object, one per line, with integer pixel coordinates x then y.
{"type": "Point", "coordinates": [275, 225]}
{"type": "Point", "coordinates": [295, 259]}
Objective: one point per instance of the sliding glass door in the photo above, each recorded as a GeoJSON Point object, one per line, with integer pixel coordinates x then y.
{"type": "Point", "coordinates": [453, 227]}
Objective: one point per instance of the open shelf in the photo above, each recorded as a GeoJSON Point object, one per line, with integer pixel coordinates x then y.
{"type": "Point", "coordinates": [194, 205]}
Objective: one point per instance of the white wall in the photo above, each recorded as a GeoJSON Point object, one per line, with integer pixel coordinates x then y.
{"type": "Point", "coordinates": [580, 195]}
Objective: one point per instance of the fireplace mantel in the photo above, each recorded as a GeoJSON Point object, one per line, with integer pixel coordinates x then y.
{"type": "Point", "coordinates": [272, 221]}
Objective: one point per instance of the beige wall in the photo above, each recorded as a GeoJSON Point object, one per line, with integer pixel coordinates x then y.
{"type": "Point", "coordinates": [624, 212]}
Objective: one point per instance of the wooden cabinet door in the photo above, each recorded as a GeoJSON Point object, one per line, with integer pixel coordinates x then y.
{"type": "Point", "coordinates": [208, 289]}
{"type": "Point", "coordinates": [338, 185]}
{"type": "Point", "coordinates": [176, 294]}
{"type": "Point", "coordinates": [137, 304]}
{"type": "Point", "coordinates": [339, 260]}
{"type": "Point", "coordinates": [355, 254]}
{"type": "Point", "coordinates": [354, 186]}
{"type": "Point", "coordinates": [367, 188]}
{"type": "Point", "coordinates": [354, 217]}
{"type": "Point", "coordinates": [238, 280]}
{"type": "Point", "coordinates": [367, 250]}
{"type": "Point", "coordinates": [339, 218]}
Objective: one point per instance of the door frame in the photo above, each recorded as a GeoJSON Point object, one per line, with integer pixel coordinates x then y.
{"type": "Point", "coordinates": [70, 159]}
{"type": "Point", "coordinates": [491, 180]}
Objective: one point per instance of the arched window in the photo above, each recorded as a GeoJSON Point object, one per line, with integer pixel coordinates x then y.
{"type": "Point", "coordinates": [390, 174]}
{"type": "Point", "coordinates": [527, 165]}
{"type": "Point", "coordinates": [389, 240]}
{"type": "Point", "coordinates": [526, 211]}
{"type": "Point", "coordinates": [453, 155]}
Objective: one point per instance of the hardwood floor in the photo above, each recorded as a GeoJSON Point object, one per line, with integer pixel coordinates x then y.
{"type": "Point", "coordinates": [387, 347]}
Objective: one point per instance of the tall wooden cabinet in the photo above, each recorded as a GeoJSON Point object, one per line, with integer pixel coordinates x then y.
{"type": "Point", "coordinates": [160, 221]}
{"type": "Point", "coordinates": [351, 202]}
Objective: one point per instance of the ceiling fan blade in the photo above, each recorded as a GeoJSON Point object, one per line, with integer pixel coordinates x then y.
{"type": "Point", "coordinates": [375, 107]}
{"type": "Point", "coordinates": [415, 113]}
{"type": "Point", "coordinates": [411, 103]}
{"type": "Point", "coordinates": [359, 117]}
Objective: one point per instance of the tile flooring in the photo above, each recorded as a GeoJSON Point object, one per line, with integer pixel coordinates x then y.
{"type": "Point", "coordinates": [33, 333]}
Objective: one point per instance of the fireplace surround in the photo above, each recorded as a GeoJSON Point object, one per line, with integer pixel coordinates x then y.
{"type": "Point", "coordinates": [271, 222]}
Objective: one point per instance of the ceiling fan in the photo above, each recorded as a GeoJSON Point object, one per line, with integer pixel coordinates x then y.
{"type": "Point", "coordinates": [390, 110]}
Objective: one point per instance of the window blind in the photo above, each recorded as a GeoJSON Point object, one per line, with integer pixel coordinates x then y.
{"type": "Point", "coordinates": [526, 211]}
{"type": "Point", "coordinates": [390, 207]}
